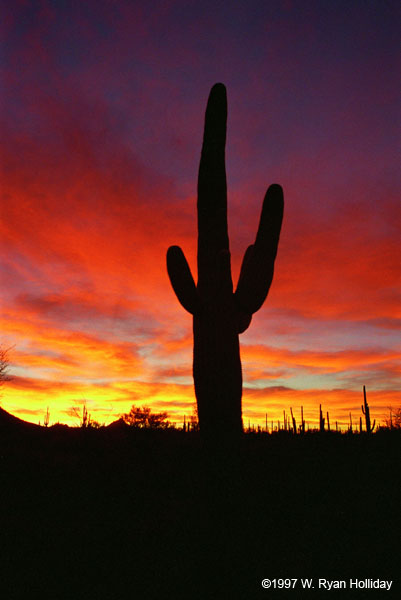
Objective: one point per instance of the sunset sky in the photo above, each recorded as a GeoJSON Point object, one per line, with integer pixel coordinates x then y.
{"type": "Point", "coordinates": [102, 114]}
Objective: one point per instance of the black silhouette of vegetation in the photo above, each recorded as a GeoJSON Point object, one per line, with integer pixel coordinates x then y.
{"type": "Point", "coordinates": [219, 315]}
{"type": "Point", "coordinates": [393, 421]}
{"type": "Point", "coordinates": [321, 419]}
{"type": "Point", "coordinates": [4, 365]}
{"type": "Point", "coordinates": [366, 412]}
{"type": "Point", "coordinates": [46, 420]}
{"type": "Point", "coordinates": [144, 418]}
{"type": "Point", "coordinates": [84, 417]}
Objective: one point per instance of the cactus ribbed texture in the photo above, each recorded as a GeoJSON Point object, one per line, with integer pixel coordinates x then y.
{"type": "Point", "coordinates": [219, 314]}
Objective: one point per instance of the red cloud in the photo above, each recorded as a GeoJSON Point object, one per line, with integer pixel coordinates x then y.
{"type": "Point", "coordinates": [102, 142]}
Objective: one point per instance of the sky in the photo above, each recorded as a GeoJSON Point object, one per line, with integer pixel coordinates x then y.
{"type": "Point", "coordinates": [101, 116]}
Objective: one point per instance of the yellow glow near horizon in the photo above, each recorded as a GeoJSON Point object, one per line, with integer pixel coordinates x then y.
{"type": "Point", "coordinates": [106, 404]}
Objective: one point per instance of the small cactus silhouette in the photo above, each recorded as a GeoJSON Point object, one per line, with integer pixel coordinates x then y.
{"type": "Point", "coordinates": [302, 426]}
{"type": "Point", "coordinates": [350, 430]}
{"type": "Point", "coordinates": [294, 423]}
{"type": "Point", "coordinates": [219, 314]}
{"type": "Point", "coordinates": [321, 419]}
{"type": "Point", "coordinates": [366, 412]}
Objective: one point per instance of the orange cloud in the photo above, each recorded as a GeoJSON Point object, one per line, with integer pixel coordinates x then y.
{"type": "Point", "coordinates": [99, 178]}
{"type": "Point", "coordinates": [326, 361]}
{"type": "Point", "coordinates": [69, 354]}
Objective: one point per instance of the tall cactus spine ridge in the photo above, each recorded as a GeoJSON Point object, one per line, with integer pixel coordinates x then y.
{"type": "Point", "coordinates": [219, 313]}
{"type": "Point", "coordinates": [366, 412]}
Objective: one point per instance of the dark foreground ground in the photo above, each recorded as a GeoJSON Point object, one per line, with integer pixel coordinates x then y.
{"type": "Point", "coordinates": [113, 514]}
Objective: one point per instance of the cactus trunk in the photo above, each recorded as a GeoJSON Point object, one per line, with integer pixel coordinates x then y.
{"type": "Point", "coordinates": [217, 373]}
{"type": "Point", "coordinates": [219, 314]}
{"type": "Point", "coordinates": [366, 412]}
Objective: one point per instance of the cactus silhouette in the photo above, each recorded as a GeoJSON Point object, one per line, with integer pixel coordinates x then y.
{"type": "Point", "coordinates": [302, 426]}
{"type": "Point", "coordinates": [321, 419]}
{"type": "Point", "coordinates": [294, 423]}
{"type": "Point", "coordinates": [219, 314]}
{"type": "Point", "coordinates": [366, 412]}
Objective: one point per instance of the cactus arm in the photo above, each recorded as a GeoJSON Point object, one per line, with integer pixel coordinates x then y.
{"type": "Point", "coordinates": [212, 193]}
{"type": "Point", "coordinates": [243, 321]}
{"type": "Point", "coordinates": [258, 265]}
{"type": "Point", "coordinates": [181, 279]}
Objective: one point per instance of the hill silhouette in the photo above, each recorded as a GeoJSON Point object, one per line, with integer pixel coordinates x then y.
{"type": "Point", "coordinates": [9, 422]}
{"type": "Point", "coordinates": [12, 424]}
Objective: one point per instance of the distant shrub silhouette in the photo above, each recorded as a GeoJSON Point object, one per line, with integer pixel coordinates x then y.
{"type": "Point", "coordinates": [143, 418]}
{"type": "Point", "coordinates": [85, 420]}
{"type": "Point", "coordinates": [219, 315]}
{"type": "Point", "coordinates": [394, 419]}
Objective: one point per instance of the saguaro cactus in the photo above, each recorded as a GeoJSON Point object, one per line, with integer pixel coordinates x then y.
{"type": "Point", "coordinates": [302, 426]}
{"type": "Point", "coordinates": [321, 419]}
{"type": "Point", "coordinates": [366, 412]}
{"type": "Point", "coordinates": [219, 314]}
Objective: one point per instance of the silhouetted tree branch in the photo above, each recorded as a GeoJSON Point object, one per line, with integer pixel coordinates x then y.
{"type": "Point", "coordinates": [143, 418]}
{"type": "Point", "coordinates": [4, 365]}
{"type": "Point", "coordinates": [394, 419]}
{"type": "Point", "coordinates": [85, 419]}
